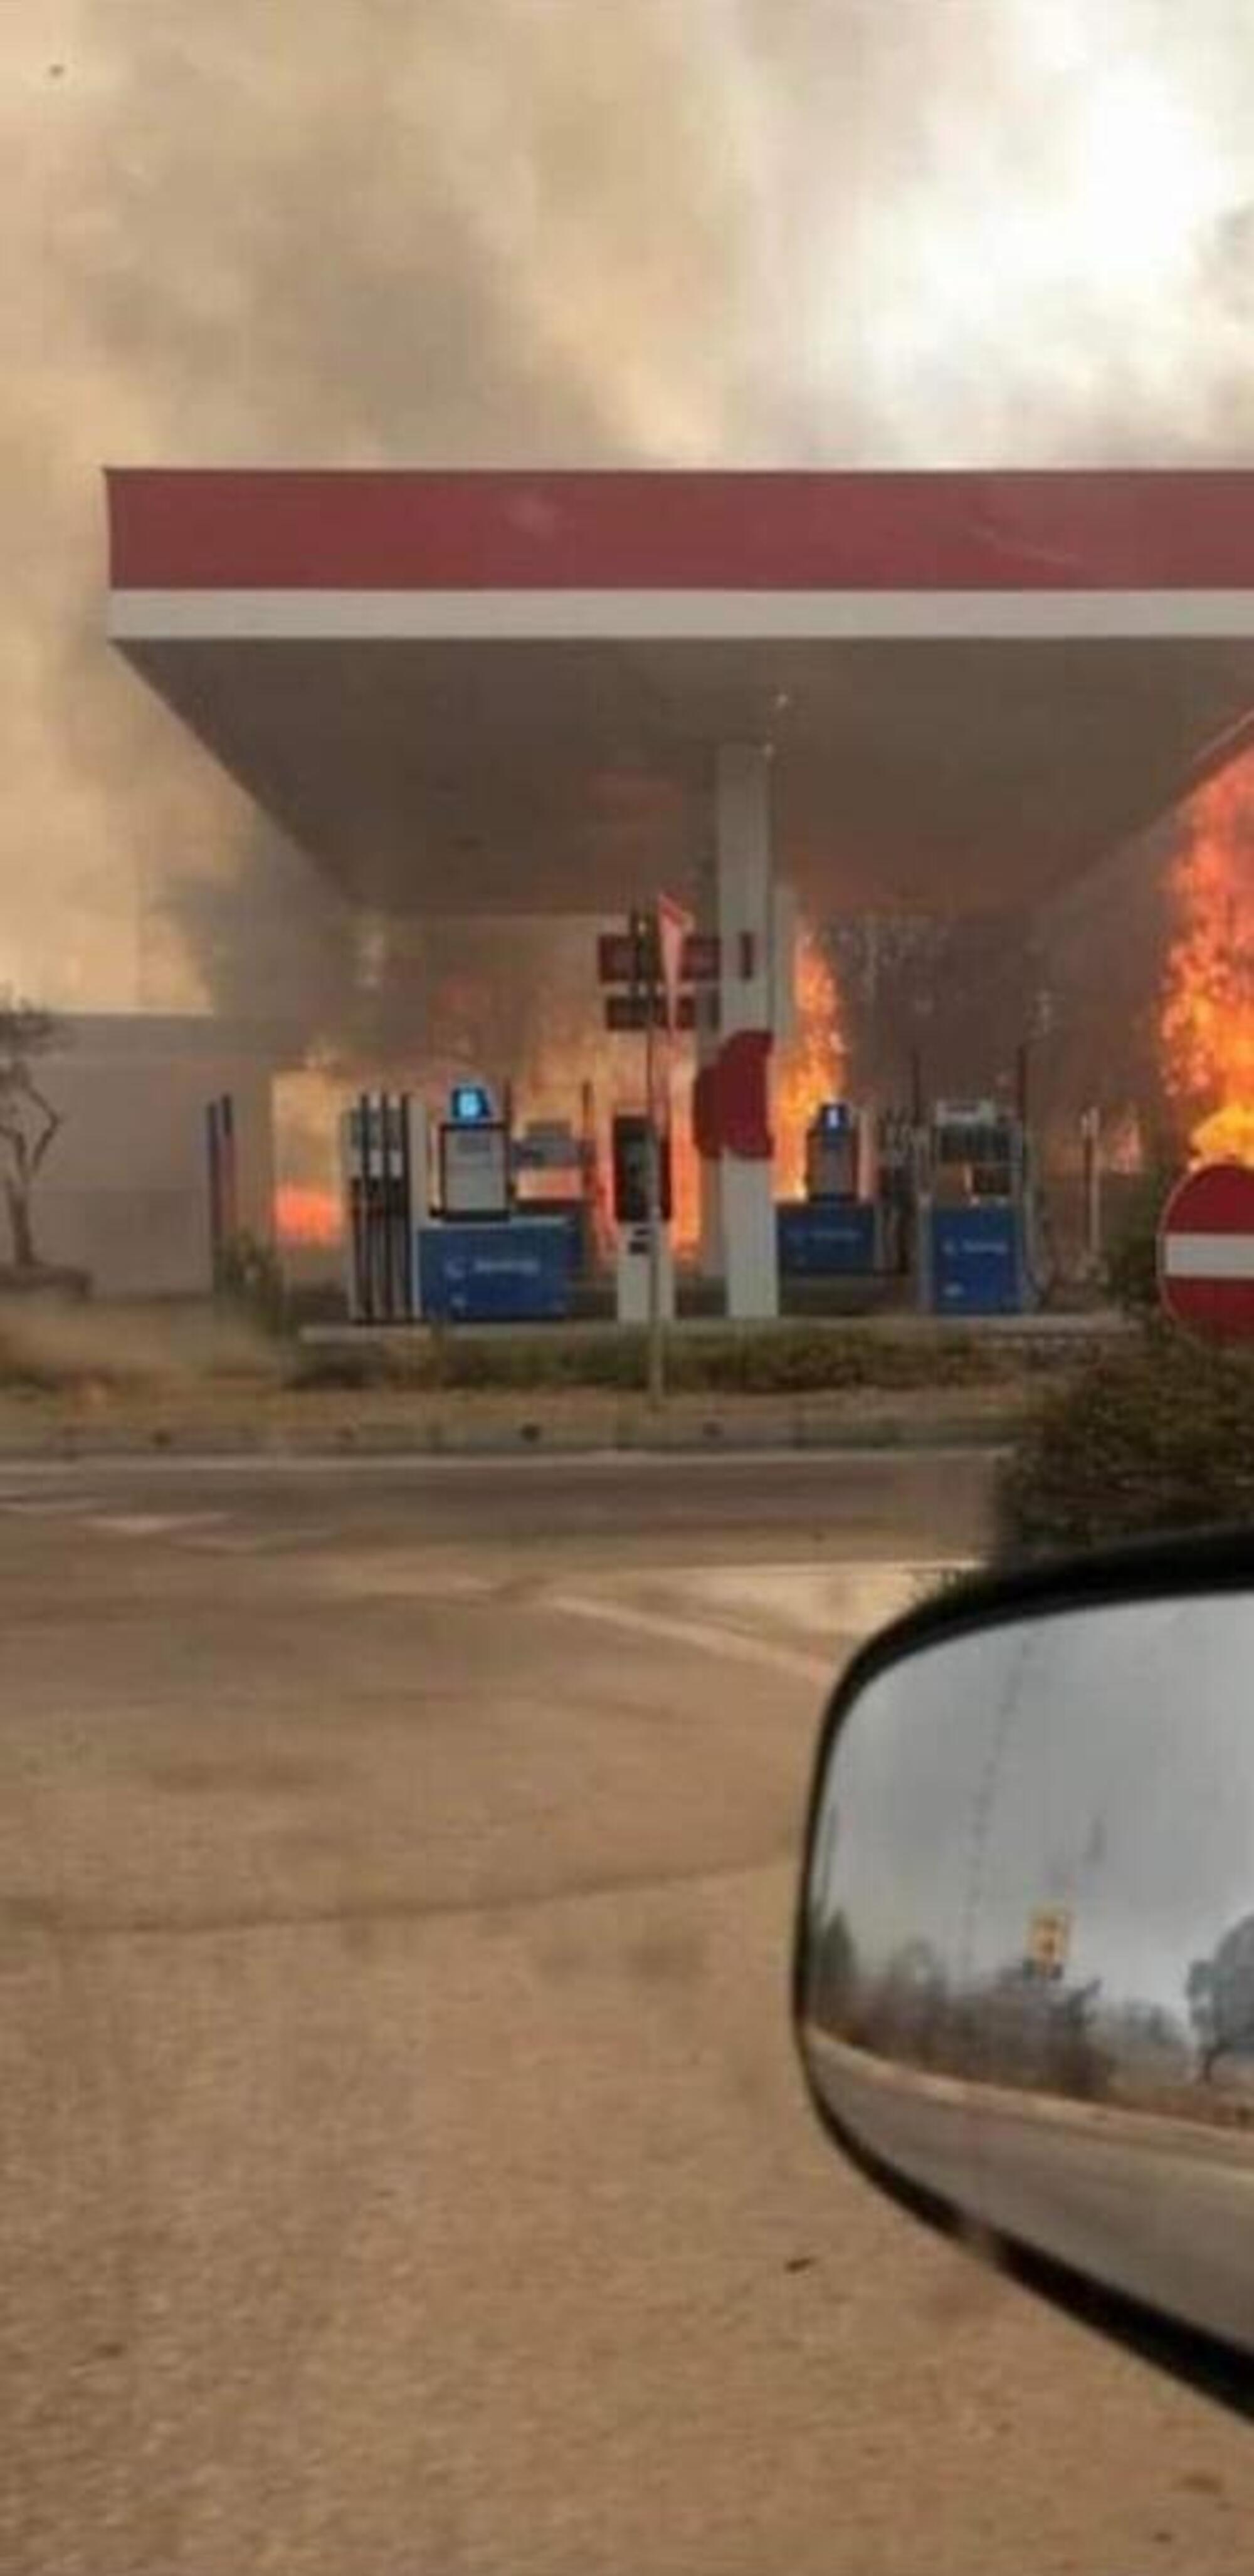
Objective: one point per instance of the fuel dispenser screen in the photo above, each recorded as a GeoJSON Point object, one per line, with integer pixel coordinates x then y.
{"type": "Point", "coordinates": [474, 1169]}
{"type": "Point", "coordinates": [631, 1171]}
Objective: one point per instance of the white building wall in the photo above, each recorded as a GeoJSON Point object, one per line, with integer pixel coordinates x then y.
{"type": "Point", "coordinates": [124, 1193]}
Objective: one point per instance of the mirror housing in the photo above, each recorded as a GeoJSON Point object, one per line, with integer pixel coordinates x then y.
{"type": "Point", "coordinates": [1024, 1964]}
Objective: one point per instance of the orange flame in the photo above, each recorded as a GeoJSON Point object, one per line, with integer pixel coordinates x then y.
{"type": "Point", "coordinates": [1208, 1010]}
{"type": "Point", "coordinates": [306, 1215]}
{"type": "Point", "coordinates": [811, 1066]}
{"type": "Point", "coordinates": [685, 1160]}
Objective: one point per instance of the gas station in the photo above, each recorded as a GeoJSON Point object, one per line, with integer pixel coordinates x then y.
{"type": "Point", "coordinates": [554, 693]}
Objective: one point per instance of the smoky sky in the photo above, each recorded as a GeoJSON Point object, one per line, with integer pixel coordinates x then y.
{"type": "Point", "coordinates": [778, 232]}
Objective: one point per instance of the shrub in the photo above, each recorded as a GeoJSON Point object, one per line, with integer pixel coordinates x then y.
{"type": "Point", "coordinates": [1157, 1435]}
{"type": "Point", "coordinates": [340, 1366]}
{"type": "Point", "coordinates": [788, 1359]}
{"type": "Point", "coordinates": [1132, 1265]}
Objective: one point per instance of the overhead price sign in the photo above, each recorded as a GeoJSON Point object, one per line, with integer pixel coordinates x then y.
{"type": "Point", "coordinates": [626, 1011]}
{"type": "Point", "coordinates": [622, 959]}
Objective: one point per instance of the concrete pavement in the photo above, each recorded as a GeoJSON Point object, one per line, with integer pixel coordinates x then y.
{"type": "Point", "coordinates": [404, 2163]}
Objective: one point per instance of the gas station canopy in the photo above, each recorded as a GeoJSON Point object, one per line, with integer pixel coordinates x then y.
{"type": "Point", "coordinates": [507, 691]}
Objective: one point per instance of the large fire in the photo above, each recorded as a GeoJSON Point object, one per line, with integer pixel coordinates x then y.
{"type": "Point", "coordinates": [1208, 1011]}
{"type": "Point", "coordinates": [685, 1160]}
{"type": "Point", "coordinates": [809, 1070]}
{"type": "Point", "coordinates": [303, 1214]}
{"type": "Point", "coordinates": [811, 1066]}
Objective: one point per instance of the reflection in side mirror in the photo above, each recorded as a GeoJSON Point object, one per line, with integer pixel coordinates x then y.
{"type": "Point", "coordinates": [1025, 1970]}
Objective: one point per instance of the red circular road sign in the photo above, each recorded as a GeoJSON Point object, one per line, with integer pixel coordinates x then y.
{"type": "Point", "coordinates": [1206, 1251]}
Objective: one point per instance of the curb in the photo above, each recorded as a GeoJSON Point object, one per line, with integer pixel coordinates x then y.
{"type": "Point", "coordinates": [529, 1438]}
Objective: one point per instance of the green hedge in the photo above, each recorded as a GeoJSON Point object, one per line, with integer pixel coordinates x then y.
{"type": "Point", "coordinates": [785, 1360]}
{"type": "Point", "coordinates": [1156, 1435]}
{"type": "Point", "coordinates": [1132, 1268]}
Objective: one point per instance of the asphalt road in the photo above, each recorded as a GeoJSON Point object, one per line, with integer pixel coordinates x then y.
{"type": "Point", "coordinates": [404, 2165]}
{"type": "Point", "coordinates": [1148, 2204]}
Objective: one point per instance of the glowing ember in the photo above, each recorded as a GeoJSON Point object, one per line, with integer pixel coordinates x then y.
{"type": "Point", "coordinates": [1208, 1012]}
{"type": "Point", "coordinates": [811, 1067]}
{"type": "Point", "coordinates": [305, 1215]}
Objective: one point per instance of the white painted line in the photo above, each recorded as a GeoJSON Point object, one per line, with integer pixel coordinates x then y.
{"type": "Point", "coordinates": [1208, 1256]}
{"type": "Point", "coordinates": [125, 1465]}
{"type": "Point", "coordinates": [846, 1598]}
{"type": "Point", "coordinates": [383, 1574]}
{"type": "Point", "coordinates": [150, 1524]}
{"type": "Point", "coordinates": [687, 616]}
{"type": "Point", "coordinates": [726, 1643]}
{"type": "Point", "coordinates": [261, 1541]}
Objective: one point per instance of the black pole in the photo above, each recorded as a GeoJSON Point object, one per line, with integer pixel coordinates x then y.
{"type": "Point", "coordinates": [367, 1214]}
{"type": "Point", "coordinates": [1021, 1082]}
{"type": "Point", "coordinates": [916, 1088]}
{"type": "Point", "coordinates": [407, 1210]}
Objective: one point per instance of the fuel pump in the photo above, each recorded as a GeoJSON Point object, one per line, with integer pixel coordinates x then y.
{"type": "Point", "coordinates": [835, 1152]}
{"type": "Point", "coordinates": [833, 1232]}
{"type": "Point", "coordinates": [383, 1150]}
{"type": "Point", "coordinates": [629, 1153]}
{"type": "Point", "coordinates": [974, 1211]}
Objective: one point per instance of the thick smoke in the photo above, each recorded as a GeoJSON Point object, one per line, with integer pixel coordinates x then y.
{"type": "Point", "coordinates": [1077, 983]}
{"type": "Point", "coordinates": [549, 231]}
{"type": "Point", "coordinates": [377, 998]}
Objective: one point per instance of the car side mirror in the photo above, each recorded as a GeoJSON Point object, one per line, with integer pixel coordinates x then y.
{"type": "Point", "coordinates": [1024, 1975]}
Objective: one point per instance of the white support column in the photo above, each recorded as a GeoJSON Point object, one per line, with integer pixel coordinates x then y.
{"type": "Point", "coordinates": [743, 828]}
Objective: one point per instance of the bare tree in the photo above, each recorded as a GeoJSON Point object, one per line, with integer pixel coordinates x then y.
{"type": "Point", "coordinates": [1220, 1993]}
{"type": "Point", "coordinates": [28, 1121]}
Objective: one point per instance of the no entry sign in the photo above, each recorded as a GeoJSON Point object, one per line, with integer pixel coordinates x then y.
{"type": "Point", "coordinates": [1206, 1251]}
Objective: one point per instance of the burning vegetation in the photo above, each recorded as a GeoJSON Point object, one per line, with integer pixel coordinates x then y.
{"type": "Point", "coordinates": [1208, 1009]}
{"type": "Point", "coordinates": [812, 1064]}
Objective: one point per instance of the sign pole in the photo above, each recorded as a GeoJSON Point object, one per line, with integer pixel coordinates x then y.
{"type": "Point", "coordinates": [658, 1351]}
{"type": "Point", "coordinates": [656, 957]}
{"type": "Point", "coordinates": [671, 930]}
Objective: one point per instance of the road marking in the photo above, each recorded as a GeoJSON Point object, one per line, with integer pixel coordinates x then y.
{"type": "Point", "coordinates": [843, 1598]}
{"type": "Point", "coordinates": [532, 1462]}
{"type": "Point", "coordinates": [150, 1524]}
{"type": "Point", "coordinates": [837, 1603]}
{"type": "Point", "coordinates": [197, 1529]}
{"type": "Point", "coordinates": [383, 1574]}
{"type": "Point", "coordinates": [727, 1643]}
{"type": "Point", "coordinates": [259, 1541]}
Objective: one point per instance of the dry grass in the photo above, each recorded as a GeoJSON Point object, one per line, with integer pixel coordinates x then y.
{"type": "Point", "coordinates": [49, 1347]}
